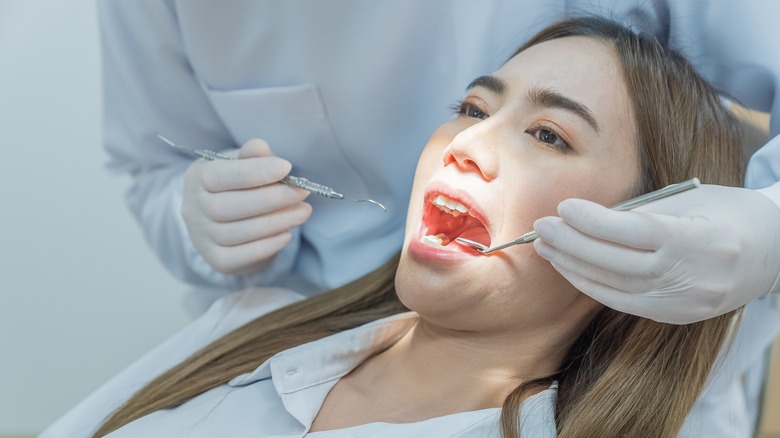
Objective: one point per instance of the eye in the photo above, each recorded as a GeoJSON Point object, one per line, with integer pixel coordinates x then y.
{"type": "Point", "coordinates": [467, 109]}
{"type": "Point", "coordinates": [548, 137]}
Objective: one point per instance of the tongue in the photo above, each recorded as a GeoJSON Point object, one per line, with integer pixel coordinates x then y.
{"type": "Point", "coordinates": [477, 234]}
{"type": "Point", "coordinates": [449, 226]}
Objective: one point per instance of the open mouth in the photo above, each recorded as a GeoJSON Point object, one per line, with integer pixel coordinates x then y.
{"type": "Point", "coordinates": [445, 219]}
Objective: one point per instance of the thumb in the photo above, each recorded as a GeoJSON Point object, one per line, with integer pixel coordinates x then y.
{"type": "Point", "coordinates": [255, 147]}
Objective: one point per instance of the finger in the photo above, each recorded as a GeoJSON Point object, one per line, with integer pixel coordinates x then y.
{"type": "Point", "coordinates": [243, 204]}
{"type": "Point", "coordinates": [573, 248]}
{"type": "Point", "coordinates": [614, 298]}
{"type": "Point", "coordinates": [628, 280]}
{"type": "Point", "coordinates": [626, 228]}
{"type": "Point", "coordinates": [224, 175]}
{"type": "Point", "coordinates": [255, 148]}
{"type": "Point", "coordinates": [235, 259]}
{"type": "Point", "coordinates": [260, 227]}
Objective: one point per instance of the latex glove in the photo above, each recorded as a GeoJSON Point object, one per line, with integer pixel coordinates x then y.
{"type": "Point", "coordinates": [679, 260]}
{"type": "Point", "coordinates": [237, 214]}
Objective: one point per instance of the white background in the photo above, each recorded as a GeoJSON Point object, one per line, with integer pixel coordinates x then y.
{"type": "Point", "coordinates": [81, 293]}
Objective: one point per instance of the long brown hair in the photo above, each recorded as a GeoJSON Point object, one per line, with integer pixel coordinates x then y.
{"type": "Point", "coordinates": [624, 376]}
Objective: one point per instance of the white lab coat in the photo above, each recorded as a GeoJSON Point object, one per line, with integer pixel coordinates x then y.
{"type": "Point", "coordinates": [351, 102]}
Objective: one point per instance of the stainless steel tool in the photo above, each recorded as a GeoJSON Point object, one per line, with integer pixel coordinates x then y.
{"type": "Point", "coordinates": [529, 237]}
{"type": "Point", "coordinates": [292, 181]}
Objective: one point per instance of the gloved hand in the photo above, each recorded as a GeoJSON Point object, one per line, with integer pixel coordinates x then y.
{"type": "Point", "coordinates": [678, 260]}
{"type": "Point", "coordinates": [237, 214]}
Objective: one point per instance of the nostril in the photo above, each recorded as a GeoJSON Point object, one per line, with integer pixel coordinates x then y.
{"type": "Point", "coordinates": [467, 164]}
{"type": "Point", "coordinates": [470, 152]}
{"type": "Point", "coordinates": [470, 166]}
{"type": "Point", "coordinates": [448, 159]}
{"type": "Point", "coordinates": [455, 156]}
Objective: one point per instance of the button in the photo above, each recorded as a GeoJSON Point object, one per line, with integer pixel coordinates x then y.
{"type": "Point", "coordinates": [292, 371]}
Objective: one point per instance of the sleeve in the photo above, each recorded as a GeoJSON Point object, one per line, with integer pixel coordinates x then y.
{"type": "Point", "coordinates": [225, 315]}
{"type": "Point", "coordinates": [150, 88]}
{"type": "Point", "coordinates": [764, 171]}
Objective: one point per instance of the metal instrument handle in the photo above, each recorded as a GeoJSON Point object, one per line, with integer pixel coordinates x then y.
{"type": "Point", "coordinates": [320, 189]}
{"type": "Point", "coordinates": [669, 190]}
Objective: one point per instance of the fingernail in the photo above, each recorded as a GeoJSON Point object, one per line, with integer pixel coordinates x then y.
{"type": "Point", "coordinates": [543, 250]}
{"type": "Point", "coordinates": [545, 228]}
{"type": "Point", "coordinates": [275, 167]}
{"type": "Point", "coordinates": [538, 247]}
{"type": "Point", "coordinates": [284, 166]}
{"type": "Point", "coordinates": [569, 207]}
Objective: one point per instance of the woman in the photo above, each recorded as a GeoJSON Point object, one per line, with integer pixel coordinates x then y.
{"type": "Point", "coordinates": [585, 109]}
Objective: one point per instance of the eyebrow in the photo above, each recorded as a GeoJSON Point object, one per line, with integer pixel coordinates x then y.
{"type": "Point", "coordinates": [545, 98]}
{"type": "Point", "coordinates": [492, 83]}
{"type": "Point", "coordinates": [540, 97]}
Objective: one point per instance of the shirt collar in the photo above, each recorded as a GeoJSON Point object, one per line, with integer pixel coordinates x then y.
{"type": "Point", "coordinates": [303, 375]}
{"type": "Point", "coordinates": [331, 357]}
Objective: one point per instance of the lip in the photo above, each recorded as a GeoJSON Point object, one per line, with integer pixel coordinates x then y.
{"type": "Point", "coordinates": [455, 251]}
{"type": "Point", "coordinates": [449, 255]}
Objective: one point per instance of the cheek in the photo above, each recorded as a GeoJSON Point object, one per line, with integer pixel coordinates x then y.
{"type": "Point", "coordinates": [603, 181]}
{"type": "Point", "coordinates": [537, 193]}
{"type": "Point", "coordinates": [615, 179]}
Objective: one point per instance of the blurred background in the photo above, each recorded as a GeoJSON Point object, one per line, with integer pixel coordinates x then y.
{"type": "Point", "coordinates": [81, 294]}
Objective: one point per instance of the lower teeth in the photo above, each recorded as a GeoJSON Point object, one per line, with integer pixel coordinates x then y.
{"type": "Point", "coordinates": [438, 240]}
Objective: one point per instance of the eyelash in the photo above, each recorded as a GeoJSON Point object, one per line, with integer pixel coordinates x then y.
{"type": "Point", "coordinates": [465, 109]}
{"type": "Point", "coordinates": [560, 144]}
{"type": "Point", "coordinates": [462, 108]}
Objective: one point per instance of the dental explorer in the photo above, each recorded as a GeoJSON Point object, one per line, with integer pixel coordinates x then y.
{"type": "Point", "coordinates": [632, 203]}
{"type": "Point", "coordinates": [292, 181]}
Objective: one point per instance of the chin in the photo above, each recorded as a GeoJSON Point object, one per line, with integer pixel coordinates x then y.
{"type": "Point", "coordinates": [446, 294]}
{"type": "Point", "coordinates": [487, 294]}
{"type": "Point", "coordinates": [425, 289]}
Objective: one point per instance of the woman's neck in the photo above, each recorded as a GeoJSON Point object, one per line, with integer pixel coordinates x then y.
{"type": "Point", "coordinates": [462, 371]}
{"type": "Point", "coordinates": [431, 372]}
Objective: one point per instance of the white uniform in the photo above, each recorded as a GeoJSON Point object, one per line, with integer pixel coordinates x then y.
{"type": "Point", "coordinates": [351, 102]}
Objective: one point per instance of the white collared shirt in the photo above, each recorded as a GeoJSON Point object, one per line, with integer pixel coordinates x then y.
{"type": "Point", "coordinates": [282, 396]}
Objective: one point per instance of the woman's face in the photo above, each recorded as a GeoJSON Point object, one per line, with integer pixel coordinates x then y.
{"type": "Point", "coordinates": [554, 122]}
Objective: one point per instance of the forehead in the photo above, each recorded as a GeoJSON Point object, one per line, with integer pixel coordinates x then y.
{"type": "Point", "coordinates": [581, 68]}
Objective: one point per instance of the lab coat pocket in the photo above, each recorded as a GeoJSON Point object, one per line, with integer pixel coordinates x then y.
{"type": "Point", "coordinates": [294, 122]}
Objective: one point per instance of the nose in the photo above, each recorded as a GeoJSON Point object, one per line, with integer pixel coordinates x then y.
{"type": "Point", "coordinates": [474, 150]}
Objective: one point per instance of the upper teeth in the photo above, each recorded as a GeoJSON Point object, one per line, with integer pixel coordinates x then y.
{"type": "Point", "coordinates": [441, 201]}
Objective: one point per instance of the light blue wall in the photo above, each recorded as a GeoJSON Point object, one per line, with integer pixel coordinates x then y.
{"type": "Point", "coordinates": [81, 294]}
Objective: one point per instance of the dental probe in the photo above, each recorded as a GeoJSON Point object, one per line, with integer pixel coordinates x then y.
{"type": "Point", "coordinates": [292, 181]}
{"type": "Point", "coordinates": [529, 237]}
